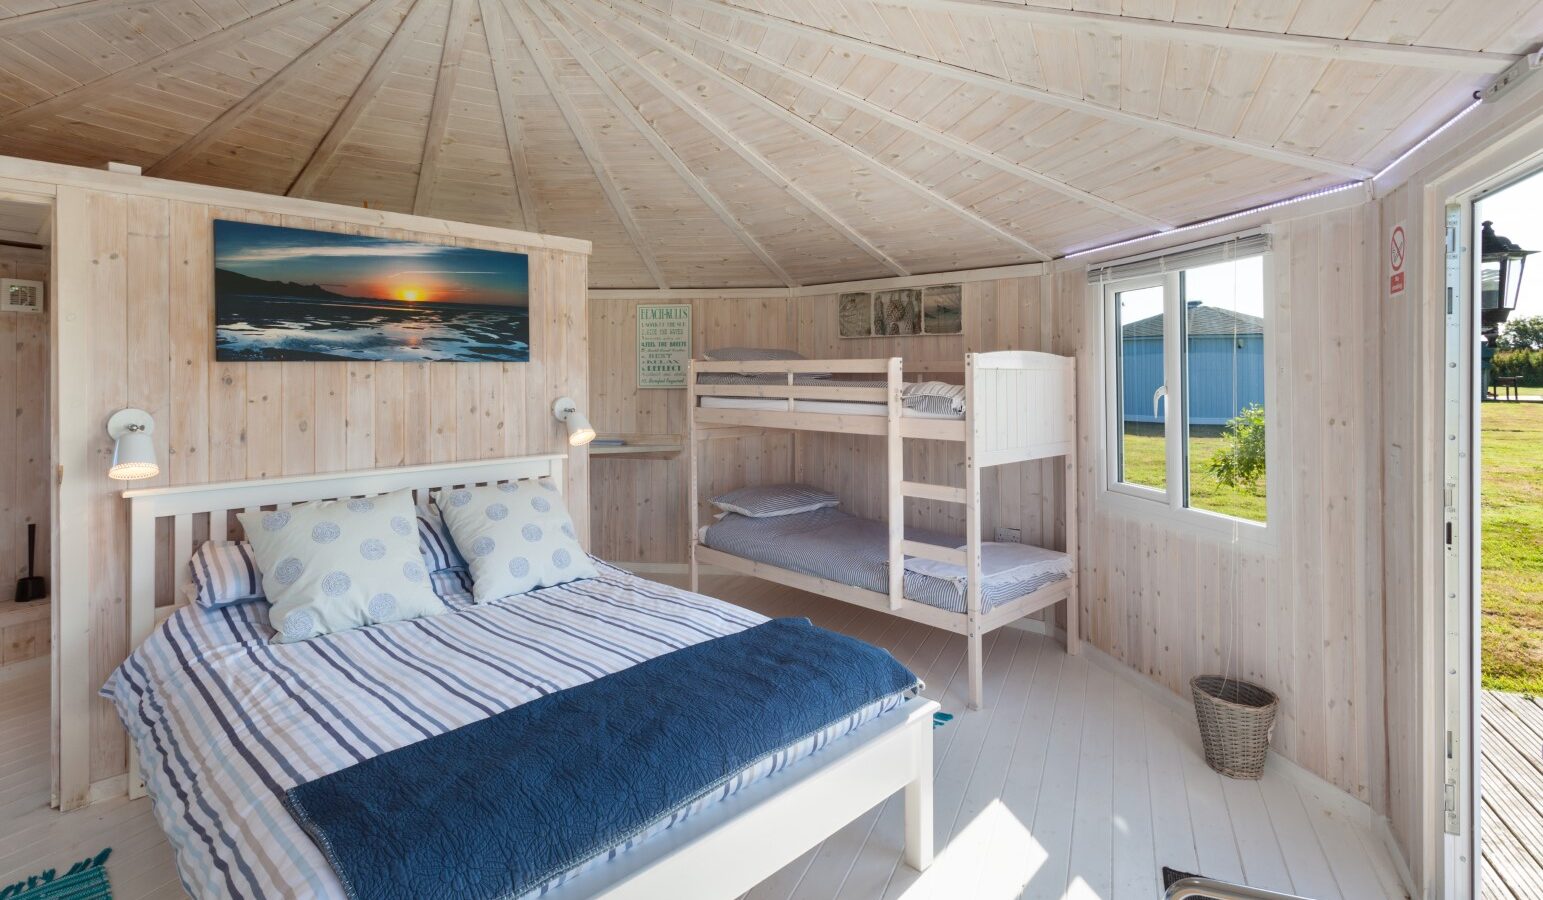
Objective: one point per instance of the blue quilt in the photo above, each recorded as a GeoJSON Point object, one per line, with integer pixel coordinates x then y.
{"type": "Point", "coordinates": [495, 808]}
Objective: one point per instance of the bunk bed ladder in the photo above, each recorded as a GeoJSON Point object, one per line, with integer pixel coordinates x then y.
{"type": "Point", "coordinates": [967, 496]}
{"type": "Point", "coordinates": [895, 476]}
{"type": "Point", "coordinates": [975, 648]}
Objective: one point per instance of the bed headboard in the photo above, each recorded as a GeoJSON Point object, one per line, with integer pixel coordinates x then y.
{"type": "Point", "coordinates": [167, 524]}
{"type": "Point", "coordinates": [1023, 405]}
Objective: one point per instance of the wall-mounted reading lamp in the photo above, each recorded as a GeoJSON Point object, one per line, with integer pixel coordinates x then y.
{"type": "Point", "coordinates": [580, 432]}
{"type": "Point", "coordinates": [133, 451]}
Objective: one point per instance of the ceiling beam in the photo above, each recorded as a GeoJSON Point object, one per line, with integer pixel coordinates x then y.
{"type": "Point", "coordinates": [926, 132]}
{"type": "Point", "coordinates": [232, 117]}
{"type": "Point", "coordinates": [1029, 92]}
{"type": "Point", "coordinates": [92, 91]}
{"type": "Point", "coordinates": [635, 118]}
{"type": "Point", "coordinates": [74, 12]}
{"type": "Point", "coordinates": [457, 25]}
{"type": "Point", "coordinates": [581, 133]}
{"type": "Point", "coordinates": [503, 88]}
{"type": "Point", "coordinates": [380, 70]}
{"type": "Point", "coordinates": [811, 130]}
{"type": "Point", "coordinates": [1376, 52]}
{"type": "Point", "coordinates": [710, 123]}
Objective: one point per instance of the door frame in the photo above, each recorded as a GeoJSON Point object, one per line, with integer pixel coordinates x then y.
{"type": "Point", "coordinates": [1496, 139]}
{"type": "Point", "coordinates": [1463, 571]}
{"type": "Point", "coordinates": [1475, 169]}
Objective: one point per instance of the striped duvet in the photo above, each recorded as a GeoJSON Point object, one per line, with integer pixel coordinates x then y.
{"type": "Point", "coordinates": [225, 722]}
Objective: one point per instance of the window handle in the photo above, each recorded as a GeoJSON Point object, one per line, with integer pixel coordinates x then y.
{"type": "Point", "coordinates": [1158, 396]}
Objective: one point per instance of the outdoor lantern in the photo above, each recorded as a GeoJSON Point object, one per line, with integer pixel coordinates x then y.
{"type": "Point", "coordinates": [1500, 275]}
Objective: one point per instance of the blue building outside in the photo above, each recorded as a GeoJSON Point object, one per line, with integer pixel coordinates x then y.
{"type": "Point", "coordinates": [1226, 365]}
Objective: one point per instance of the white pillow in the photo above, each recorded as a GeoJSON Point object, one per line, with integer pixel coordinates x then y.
{"type": "Point", "coordinates": [1006, 560]}
{"type": "Point", "coordinates": [333, 565]}
{"type": "Point", "coordinates": [515, 536]}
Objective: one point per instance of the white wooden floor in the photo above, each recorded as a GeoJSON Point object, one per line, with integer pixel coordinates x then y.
{"type": "Point", "coordinates": [1078, 780]}
{"type": "Point", "coordinates": [33, 837]}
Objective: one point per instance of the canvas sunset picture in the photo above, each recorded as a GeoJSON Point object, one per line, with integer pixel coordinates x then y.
{"type": "Point", "coordinates": [288, 294]}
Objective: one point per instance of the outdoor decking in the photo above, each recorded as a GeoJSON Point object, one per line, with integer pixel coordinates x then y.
{"type": "Point", "coordinates": [1511, 816]}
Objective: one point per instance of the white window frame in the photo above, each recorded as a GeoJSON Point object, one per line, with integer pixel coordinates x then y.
{"type": "Point", "coordinates": [1170, 505]}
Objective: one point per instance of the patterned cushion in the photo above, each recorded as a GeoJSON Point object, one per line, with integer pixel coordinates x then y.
{"type": "Point", "coordinates": [517, 537]}
{"type": "Point", "coordinates": [752, 354]}
{"type": "Point", "coordinates": [775, 500]}
{"type": "Point", "coordinates": [434, 541]}
{"type": "Point", "coordinates": [339, 564]}
{"type": "Point", "coordinates": [224, 572]}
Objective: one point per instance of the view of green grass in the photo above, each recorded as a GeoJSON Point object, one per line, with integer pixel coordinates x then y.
{"type": "Point", "coordinates": [1145, 463]}
{"type": "Point", "coordinates": [1511, 499]}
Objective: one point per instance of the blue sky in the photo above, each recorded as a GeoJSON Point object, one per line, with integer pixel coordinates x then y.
{"type": "Point", "coordinates": [378, 268]}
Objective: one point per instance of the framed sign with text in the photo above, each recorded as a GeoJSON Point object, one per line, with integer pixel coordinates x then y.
{"type": "Point", "coordinates": [664, 345]}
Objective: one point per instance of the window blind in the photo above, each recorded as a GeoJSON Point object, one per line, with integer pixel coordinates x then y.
{"type": "Point", "coordinates": [1237, 247]}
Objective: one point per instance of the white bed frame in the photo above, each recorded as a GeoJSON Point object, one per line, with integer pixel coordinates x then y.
{"type": "Point", "coordinates": [722, 851]}
{"type": "Point", "coordinates": [1019, 406]}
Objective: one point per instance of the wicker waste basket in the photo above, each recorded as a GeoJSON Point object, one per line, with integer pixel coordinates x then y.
{"type": "Point", "coordinates": [1235, 720]}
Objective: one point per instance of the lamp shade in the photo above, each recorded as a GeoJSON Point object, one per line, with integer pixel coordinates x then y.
{"type": "Point", "coordinates": [580, 432]}
{"type": "Point", "coordinates": [133, 450]}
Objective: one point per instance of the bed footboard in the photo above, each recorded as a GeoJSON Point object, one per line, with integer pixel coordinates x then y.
{"type": "Point", "coordinates": [731, 847]}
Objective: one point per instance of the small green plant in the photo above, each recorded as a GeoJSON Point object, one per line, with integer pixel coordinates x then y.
{"type": "Point", "coordinates": [1240, 461]}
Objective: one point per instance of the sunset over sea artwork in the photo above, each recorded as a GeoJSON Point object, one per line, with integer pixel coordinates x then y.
{"type": "Point", "coordinates": [289, 294]}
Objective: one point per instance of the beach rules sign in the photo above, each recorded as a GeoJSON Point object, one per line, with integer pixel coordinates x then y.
{"type": "Point", "coordinates": [664, 345]}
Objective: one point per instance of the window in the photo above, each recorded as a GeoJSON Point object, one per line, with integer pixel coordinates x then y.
{"type": "Point", "coordinates": [1186, 342]}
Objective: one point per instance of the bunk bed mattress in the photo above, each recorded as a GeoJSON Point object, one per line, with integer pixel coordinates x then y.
{"type": "Point", "coordinates": [830, 407]}
{"type": "Point", "coordinates": [225, 722]}
{"type": "Point", "coordinates": [841, 547]}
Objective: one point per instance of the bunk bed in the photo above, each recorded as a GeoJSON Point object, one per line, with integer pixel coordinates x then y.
{"type": "Point", "coordinates": [1011, 407]}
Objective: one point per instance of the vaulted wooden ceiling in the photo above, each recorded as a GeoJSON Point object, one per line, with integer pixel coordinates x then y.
{"type": "Point", "coordinates": [708, 143]}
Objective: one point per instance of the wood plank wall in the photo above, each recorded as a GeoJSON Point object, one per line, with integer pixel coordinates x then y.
{"type": "Point", "coordinates": [24, 467]}
{"type": "Point", "coordinates": [1412, 402]}
{"type": "Point", "coordinates": [140, 269]}
{"type": "Point", "coordinates": [639, 503]}
{"type": "Point", "coordinates": [1301, 614]}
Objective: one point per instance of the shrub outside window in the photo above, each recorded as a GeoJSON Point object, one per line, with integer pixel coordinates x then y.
{"type": "Point", "coordinates": [1186, 352]}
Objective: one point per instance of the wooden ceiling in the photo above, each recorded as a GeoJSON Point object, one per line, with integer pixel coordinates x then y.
{"type": "Point", "coordinates": [718, 143]}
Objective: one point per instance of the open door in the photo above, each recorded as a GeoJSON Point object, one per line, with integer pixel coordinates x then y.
{"type": "Point", "coordinates": [1493, 619]}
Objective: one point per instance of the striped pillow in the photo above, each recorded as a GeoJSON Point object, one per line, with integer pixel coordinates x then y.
{"type": "Point", "coordinates": [225, 573]}
{"type": "Point", "coordinates": [435, 543]}
{"type": "Point", "coordinates": [935, 397]}
{"type": "Point", "coordinates": [775, 500]}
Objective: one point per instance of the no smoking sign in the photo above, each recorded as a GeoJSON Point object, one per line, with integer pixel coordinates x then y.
{"type": "Point", "coordinates": [1396, 246]}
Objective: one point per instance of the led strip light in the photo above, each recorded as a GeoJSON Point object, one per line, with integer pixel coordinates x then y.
{"type": "Point", "coordinates": [1300, 198]}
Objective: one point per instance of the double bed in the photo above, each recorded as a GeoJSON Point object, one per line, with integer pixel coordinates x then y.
{"type": "Point", "coordinates": [224, 722]}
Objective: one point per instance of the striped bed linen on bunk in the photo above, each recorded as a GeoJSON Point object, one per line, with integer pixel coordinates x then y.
{"type": "Point", "coordinates": [225, 722]}
{"type": "Point", "coordinates": [846, 549]}
{"type": "Point", "coordinates": [933, 397]}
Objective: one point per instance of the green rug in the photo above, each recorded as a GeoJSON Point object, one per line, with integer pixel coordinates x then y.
{"type": "Point", "coordinates": [86, 880]}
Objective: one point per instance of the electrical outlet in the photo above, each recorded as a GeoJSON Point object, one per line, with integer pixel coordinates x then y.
{"type": "Point", "coordinates": [1009, 536]}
